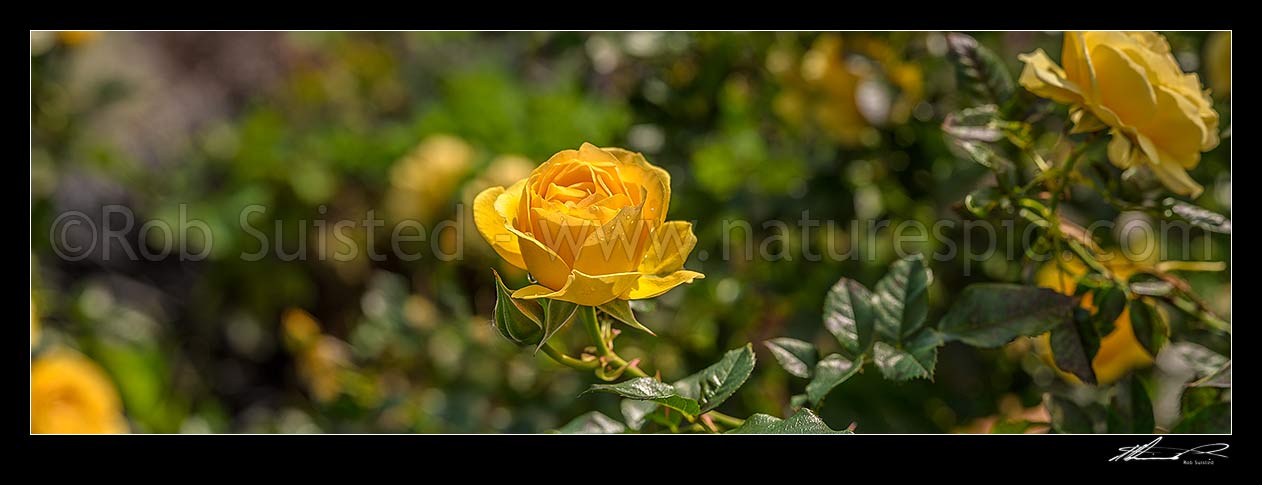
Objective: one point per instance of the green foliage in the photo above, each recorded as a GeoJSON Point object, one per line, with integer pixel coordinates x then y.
{"type": "Point", "coordinates": [804, 421]}
{"type": "Point", "coordinates": [1130, 410]}
{"type": "Point", "coordinates": [850, 318]}
{"type": "Point", "coordinates": [1074, 345]}
{"type": "Point", "coordinates": [593, 423]}
{"type": "Point", "coordinates": [650, 389]}
{"type": "Point", "coordinates": [1149, 326]}
{"type": "Point", "coordinates": [992, 314]}
{"type": "Point", "coordinates": [980, 72]}
{"type": "Point", "coordinates": [829, 373]}
{"type": "Point", "coordinates": [716, 383]}
{"type": "Point", "coordinates": [795, 356]}
{"type": "Point", "coordinates": [901, 299]}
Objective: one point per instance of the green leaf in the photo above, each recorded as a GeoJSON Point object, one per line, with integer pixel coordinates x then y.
{"type": "Point", "coordinates": [829, 373]}
{"type": "Point", "coordinates": [518, 321]}
{"type": "Point", "coordinates": [915, 358]}
{"type": "Point", "coordinates": [986, 156]}
{"type": "Point", "coordinates": [642, 388]}
{"type": "Point", "coordinates": [557, 315]}
{"type": "Point", "coordinates": [992, 314]}
{"type": "Point", "coordinates": [1215, 418]}
{"type": "Point", "coordinates": [849, 316]}
{"type": "Point", "coordinates": [804, 421]}
{"type": "Point", "coordinates": [593, 423]}
{"type": "Point", "coordinates": [978, 124]}
{"type": "Point", "coordinates": [635, 412]}
{"type": "Point", "coordinates": [795, 356]}
{"type": "Point", "coordinates": [715, 384]}
{"type": "Point", "coordinates": [650, 389]}
{"type": "Point", "coordinates": [1068, 417]}
{"type": "Point", "coordinates": [1110, 301]}
{"type": "Point", "coordinates": [1074, 345]}
{"type": "Point", "coordinates": [620, 310]}
{"type": "Point", "coordinates": [1198, 216]}
{"type": "Point", "coordinates": [981, 201]}
{"type": "Point", "coordinates": [1131, 408]}
{"type": "Point", "coordinates": [1150, 328]}
{"type": "Point", "coordinates": [902, 298]}
{"type": "Point", "coordinates": [980, 72]}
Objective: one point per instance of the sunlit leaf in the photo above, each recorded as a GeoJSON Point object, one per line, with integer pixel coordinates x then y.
{"type": "Point", "coordinates": [902, 298]}
{"type": "Point", "coordinates": [804, 421]}
{"type": "Point", "coordinates": [715, 384]}
{"type": "Point", "coordinates": [795, 356]}
{"type": "Point", "coordinates": [915, 358]}
{"type": "Point", "coordinates": [829, 373]}
{"type": "Point", "coordinates": [593, 423]}
{"type": "Point", "coordinates": [850, 317]}
{"type": "Point", "coordinates": [650, 389]}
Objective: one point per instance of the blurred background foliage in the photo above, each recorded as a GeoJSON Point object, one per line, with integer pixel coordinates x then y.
{"type": "Point", "coordinates": [753, 127]}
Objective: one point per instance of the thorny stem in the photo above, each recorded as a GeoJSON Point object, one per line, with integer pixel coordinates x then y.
{"type": "Point", "coordinates": [568, 361]}
{"type": "Point", "coordinates": [587, 315]}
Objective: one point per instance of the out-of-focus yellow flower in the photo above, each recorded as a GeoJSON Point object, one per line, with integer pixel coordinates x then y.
{"type": "Point", "coordinates": [423, 182]}
{"type": "Point", "coordinates": [73, 395]}
{"type": "Point", "coordinates": [301, 329]}
{"type": "Point", "coordinates": [1218, 63]}
{"type": "Point", "coordinates": [590, 226]}
{"type": "Point", "coordinates": [77, 37]}
{"type": "Point", "coordinates": [1120, 352]}
{"type": "Point", "coordinates": [826, 86]}
{"type": "Point", "coordinates": [320, 358]}
{"type": "Point", "coordinates": [1129, 82]}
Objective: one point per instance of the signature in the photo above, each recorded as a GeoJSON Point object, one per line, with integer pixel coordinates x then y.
{"type": "Point", "coordinates": [1151, 451]}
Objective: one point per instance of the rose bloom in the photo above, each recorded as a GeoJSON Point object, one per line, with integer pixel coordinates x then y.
{"type": "Point", "coordinates": [1120, 351]}
{"type": "Point", "coordinates": [72, 395]}
{"type": "Point", "coordinates": [590, 227]}
{"type": "Point", "coordinates": [1128, 82]}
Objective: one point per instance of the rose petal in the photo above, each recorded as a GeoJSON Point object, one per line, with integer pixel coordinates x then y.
{"type": "Point", "coordinates": [489, 208]}
{"type": "Point", "coordinates": [668, 248]}
{"type": "Point", "coordinates": [648, 286]}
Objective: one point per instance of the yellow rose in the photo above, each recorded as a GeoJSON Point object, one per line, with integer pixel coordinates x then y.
{"type": "Point", "coordinates": [1158, 116]}
{"type": "Point", "coordinates": [590, 226]}
{"type": "Point", "coordinates": [72, 395]}
{"type": "Point", "coordinates": [1120, 352]}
